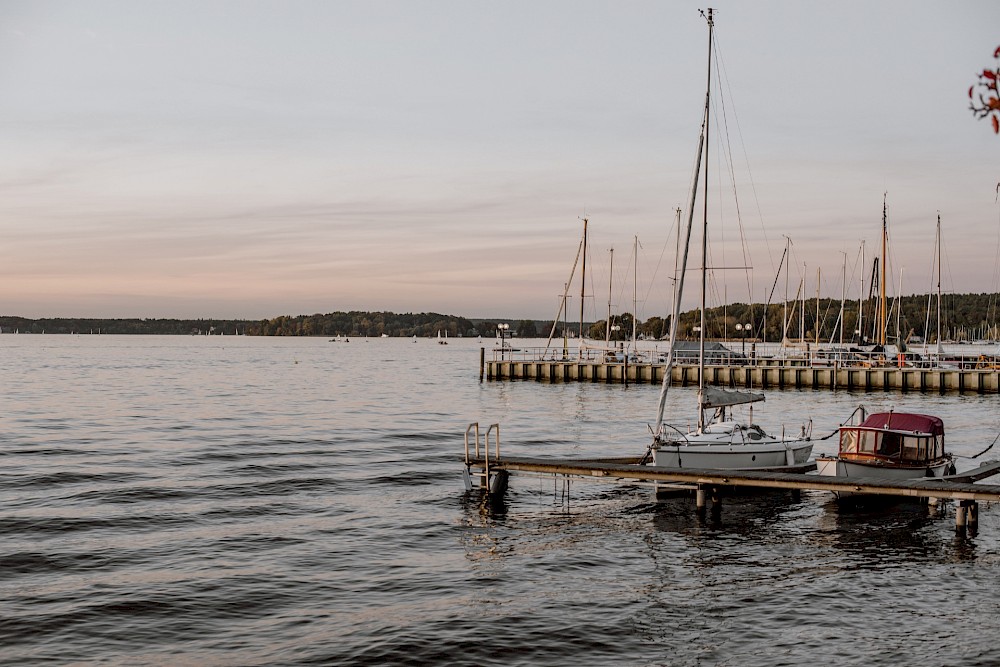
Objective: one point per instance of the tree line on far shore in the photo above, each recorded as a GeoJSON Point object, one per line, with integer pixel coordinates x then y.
{"type": "Point", "coordinates": [158, 326]}
{"type": "Point", "coordinates": [964, 316]}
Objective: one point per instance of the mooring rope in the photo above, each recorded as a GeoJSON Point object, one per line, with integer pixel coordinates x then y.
{"type": "Point", "coordinates": [827, 437]}
{"type": "Point", "coordinates": [984, 451]}
{"type": "Point", "coordinates": [837, 430]}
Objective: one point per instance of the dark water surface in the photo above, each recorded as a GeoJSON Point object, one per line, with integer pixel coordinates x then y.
{"type": "Point", "coordinates": [260, 501]}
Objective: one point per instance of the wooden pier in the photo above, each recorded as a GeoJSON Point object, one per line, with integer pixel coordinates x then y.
{"type": "Point", "coordinates": [493, 472]}
{"type": "Point", "coordinates": [758, 376]}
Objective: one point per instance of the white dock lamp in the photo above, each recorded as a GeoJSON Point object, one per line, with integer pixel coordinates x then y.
{"type": "Point", "coordinates": [743, 329]}
{"type": "Point", "coordinates": [502, 328]}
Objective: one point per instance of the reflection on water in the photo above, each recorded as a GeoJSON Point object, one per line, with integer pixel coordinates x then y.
{"type": "Point", "coordinates": [887, 533]}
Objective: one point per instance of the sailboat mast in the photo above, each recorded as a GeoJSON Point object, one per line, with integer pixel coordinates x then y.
{"type": "Point", "coordinates": [563, 303]}
{"type": "Point", "coordinates": [679, 285]}
{"type": "Point", "coordinates": [802, 312]}
{"type": "Point", "coordinates": [843, 300]}
{"type": "Point", "coordinates": [784, 306]}
{"type": "Point", "coordinates": [939, 348]}
{"type": "Point", "coordinates": [899, 310]}
{"type": "Point", "coordinates": [583, 280]}
{"type": "Point", "coordinates": [704, 234]}
{"type": "Point", "coordinates": [635, 287]}
{"type": "Point", "coordinates": [817, 304]}
{"type": "Point", "coordinates": [607, 328]}
{"type": "Point", "coordinates": [861, 298]}
{"type": "Point", "coordinates": [565, 317]}
{"type": "Point", "coordinates": [881, 312]}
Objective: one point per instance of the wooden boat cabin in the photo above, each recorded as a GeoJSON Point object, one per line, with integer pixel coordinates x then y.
{"type": "Point", "coordinates": [898, 439]}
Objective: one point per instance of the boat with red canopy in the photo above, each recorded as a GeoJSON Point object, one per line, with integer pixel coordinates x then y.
{"type": "Point", "coordinates": [890, 445]}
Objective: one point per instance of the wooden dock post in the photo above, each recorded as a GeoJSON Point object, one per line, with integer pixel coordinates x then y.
{"type": "Point", "coordinates": [960, 516]}
{"type": "Point", "coordinates": [482, 362]}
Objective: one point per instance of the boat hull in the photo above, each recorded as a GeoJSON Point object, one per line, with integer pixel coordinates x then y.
{"type": "Point", "coordinates": [733, 456]}
{"type": "Point", "coordinates": [840, 467]}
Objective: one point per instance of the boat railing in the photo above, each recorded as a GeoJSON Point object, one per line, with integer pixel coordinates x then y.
{"type": "Point", "coordinates": [672, 440]}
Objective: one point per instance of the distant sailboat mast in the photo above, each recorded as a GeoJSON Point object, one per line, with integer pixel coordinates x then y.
{"type": "Point", "coordinates": [843, 300]}
{"type": "Point", "coordinates": [563, 308]}
{"type": "Point", "coordinates": [816, 325]}
{"type": "Point", "coordinates": [784, 306]}
{"type": "Point", "coordinates": [861, 297]}
{"type": "Point", "coordinates": [607, 326]}
{"type": "Point", "coordinates": [635, 288]}
{"type": "Point", "coordinates": [583, 280]}
{"type": "Point", "coordinates": [940, 350]}
{"type": "Point", "coordinates": [882, 309]}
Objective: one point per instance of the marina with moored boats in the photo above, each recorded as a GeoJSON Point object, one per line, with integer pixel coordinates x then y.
{"type": "Point", "coordinates": [898, 455]}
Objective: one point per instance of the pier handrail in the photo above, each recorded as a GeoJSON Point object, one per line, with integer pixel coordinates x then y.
{"type": "Point", "coordinates": [486, 451]}
{"type": "Point", "coordinates": [469, 428]}
{"type": "Point", "coordinates": [761, 354]}
{"type": "Point", "coordinates": [496, 452]}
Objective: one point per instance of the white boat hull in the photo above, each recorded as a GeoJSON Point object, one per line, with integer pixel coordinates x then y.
{"type": "Point", "coordinates": [836, 466]}
{"type": "Point", "coordinates": [733, 456]}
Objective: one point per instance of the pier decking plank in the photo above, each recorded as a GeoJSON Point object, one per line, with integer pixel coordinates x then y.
{"type": "Point", "coordinates": [958, 487]}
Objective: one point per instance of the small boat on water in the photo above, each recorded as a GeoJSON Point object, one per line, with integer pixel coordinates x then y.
{"type": "Point", "coordinates": [890, 445]}
{"type": "Point", "coordinates": [727, 443]}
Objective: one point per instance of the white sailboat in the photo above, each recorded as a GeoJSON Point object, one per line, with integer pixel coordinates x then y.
{"type": "Point", "coordinates": [720, 442]}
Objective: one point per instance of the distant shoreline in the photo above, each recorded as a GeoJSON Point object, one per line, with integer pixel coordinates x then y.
{"type": "Point", "coordinates": [964, 316]}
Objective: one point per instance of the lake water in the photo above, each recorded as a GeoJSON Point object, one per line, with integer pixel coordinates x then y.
{"type": "Point", "coordinates": [262, 501]}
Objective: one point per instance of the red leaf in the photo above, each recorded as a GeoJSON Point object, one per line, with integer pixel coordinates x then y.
{"type": "Point", "coordinates": [989, 74]}
{"type": "Point", "coordinates": [996, 125]}
{"type": "Point", "coordinates": [970, 91]}
{"type": "Point", "coordinates": [996, 54]}
{"type": "Point", "coordinates": [993, 103]}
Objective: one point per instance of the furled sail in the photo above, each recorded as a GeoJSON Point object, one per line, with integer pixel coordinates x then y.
{"type": "Point", "coordinates": [716, 397]}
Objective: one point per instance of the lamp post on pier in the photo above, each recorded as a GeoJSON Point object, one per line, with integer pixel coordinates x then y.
{"type": "Point", "coordinates": [502, 330]}
{"type": "Point", "coordinates": [743, 329]}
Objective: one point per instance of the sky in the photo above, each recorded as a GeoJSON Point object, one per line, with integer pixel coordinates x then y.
{"type": "Point", "coordinates": [249, 159]}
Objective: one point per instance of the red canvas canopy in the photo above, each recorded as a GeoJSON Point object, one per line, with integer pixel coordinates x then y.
{"type": "Point", "coordinates": [905, 421]}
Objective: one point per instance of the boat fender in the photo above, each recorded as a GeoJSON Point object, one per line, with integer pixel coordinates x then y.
{"type": "Point", "coordinates": [951, 469]}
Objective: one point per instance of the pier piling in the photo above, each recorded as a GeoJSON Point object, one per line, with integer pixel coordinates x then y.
{"type": "Point", "coordinates": [782, 375]}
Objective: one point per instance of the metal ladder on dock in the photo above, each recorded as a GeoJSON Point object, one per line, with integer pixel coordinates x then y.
{"type": "Point", "coordinates": [496, 482]}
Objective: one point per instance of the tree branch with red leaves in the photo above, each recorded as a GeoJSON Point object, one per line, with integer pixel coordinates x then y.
{"type": "Point", "coordinates": [986, 97]}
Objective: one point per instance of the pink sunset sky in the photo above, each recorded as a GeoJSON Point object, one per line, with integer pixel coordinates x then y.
{"type": "Point", "coordinates": [251, 159]}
